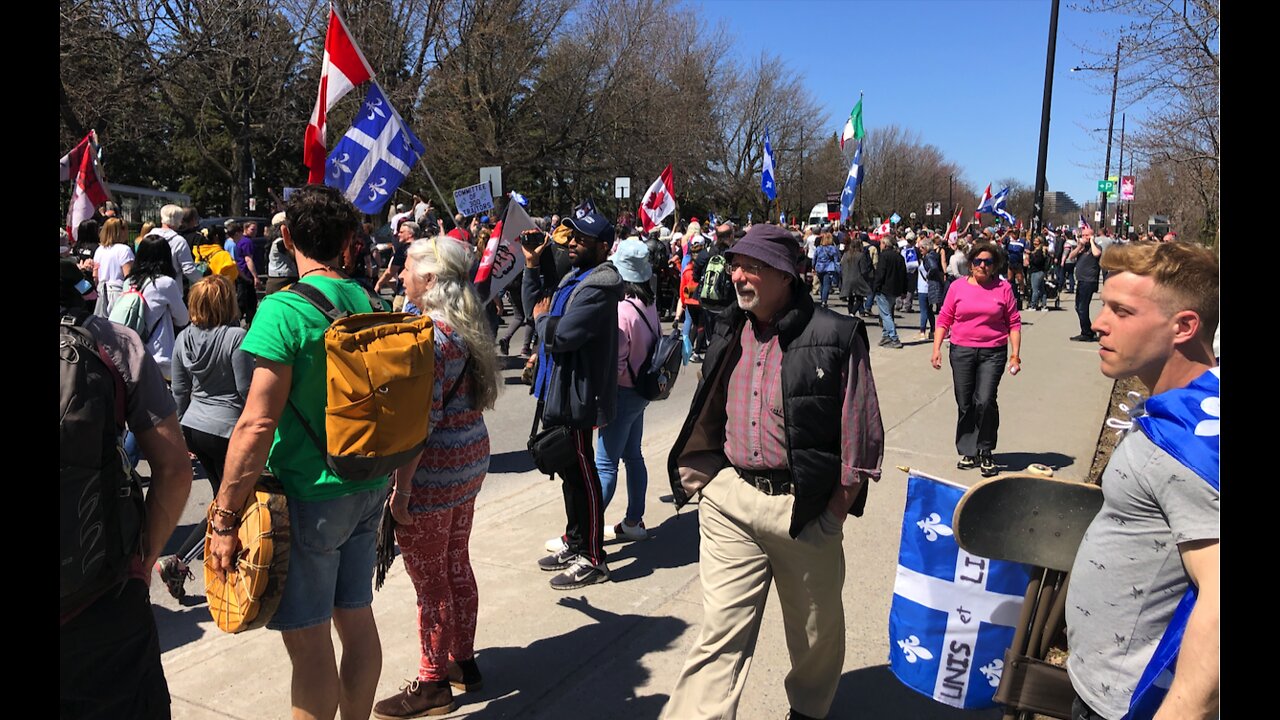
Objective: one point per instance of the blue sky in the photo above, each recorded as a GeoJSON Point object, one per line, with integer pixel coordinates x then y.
{"type": "Point", "coordinates": [967, 75]}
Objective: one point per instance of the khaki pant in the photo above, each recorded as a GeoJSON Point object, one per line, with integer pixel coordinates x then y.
{"type": "Point", "coordinates": [745, 546]}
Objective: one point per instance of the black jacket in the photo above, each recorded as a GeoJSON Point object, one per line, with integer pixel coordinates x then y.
{"type": "Point", "coordinates": [891, 272]}
{"type": "Point", "coordinates": [810, 337]}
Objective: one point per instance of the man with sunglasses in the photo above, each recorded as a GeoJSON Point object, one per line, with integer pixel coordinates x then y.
{"type": "Point", "coordinates": [783, 433]}
{"type": "Point", "coordinates": [576, 383]}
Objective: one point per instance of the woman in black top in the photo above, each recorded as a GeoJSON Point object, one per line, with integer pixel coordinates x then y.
{"type": "Point", "coordinates": [1037, 265]}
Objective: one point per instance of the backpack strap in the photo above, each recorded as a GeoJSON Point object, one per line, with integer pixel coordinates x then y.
{"type": "Point", "coordinates": [448, 397]}
{"type": "Point", "coordinates": [318, 300]}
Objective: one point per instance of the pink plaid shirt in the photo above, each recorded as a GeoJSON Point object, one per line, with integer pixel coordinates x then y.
{"type": "Point", "coordinates": [755, 432]}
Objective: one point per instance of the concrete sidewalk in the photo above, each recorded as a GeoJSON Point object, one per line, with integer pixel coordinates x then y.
{"type": "Point", "coordinates": [614, 650]}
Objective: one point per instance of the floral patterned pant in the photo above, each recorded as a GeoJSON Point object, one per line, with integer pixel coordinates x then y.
{"type": "Point", "coordinates": [436, 554]}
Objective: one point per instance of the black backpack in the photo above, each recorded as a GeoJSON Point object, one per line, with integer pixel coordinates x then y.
{"type": "Point", "coordinates": [100, 502]}
{"type": "Point", "coordinates": [658, 372]}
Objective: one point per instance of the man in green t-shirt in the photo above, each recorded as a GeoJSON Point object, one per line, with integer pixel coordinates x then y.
{"type": "Point", "coordinates": [333, 522]}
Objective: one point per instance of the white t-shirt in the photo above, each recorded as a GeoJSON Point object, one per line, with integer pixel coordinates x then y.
{"type": "Point", "coordinates": [111, 261]}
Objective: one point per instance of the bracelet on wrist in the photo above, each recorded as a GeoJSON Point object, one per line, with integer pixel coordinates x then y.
{"type": "Point", "coordinates": [216, 510]}
{"type": "Point", "coordinates": [223, 532]}
{"type": "Point", "coordinates": [402, 493]}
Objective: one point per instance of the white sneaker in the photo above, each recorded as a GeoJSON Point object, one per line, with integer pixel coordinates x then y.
{"type": "Point", "coordinates": [556, 544]}
{"type": "Point", "coordinates": [626, 532]}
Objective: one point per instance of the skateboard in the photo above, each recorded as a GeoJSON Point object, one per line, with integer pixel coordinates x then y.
{"type": "Point", "coordinates": [1026, 518]}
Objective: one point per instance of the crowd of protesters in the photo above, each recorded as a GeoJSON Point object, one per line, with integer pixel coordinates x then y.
{"type": "Point", "coordinates": [589, 307]}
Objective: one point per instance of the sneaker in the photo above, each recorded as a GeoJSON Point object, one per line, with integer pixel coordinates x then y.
{"type": "Point", "coordinates": [525, 352]}
{"type": "Point", "coordinates": [626, 532]}
{"type": "Point", "coordinates": [558, 561]}
{"type": "Point", "coordinates": [581, 573]}
{"type": "Point", "coordinates": [987, 465]}
{"type": "Point", "coordinates": [174, 574]}
{"type": "Point", "coordinates": [968, 462]}
{"type": "Point", "coordinates": [465, 675]}
{"type": "Point", "coordinates": [416, 699]}
{"type": "Point", "coordinates": [556, 544]}
{"type": "Point", "coordinates": [504, 347]}
{"type": "Point", "coordinates": [1084, 338]}
{"type": "Point", "coordinates": [894, 344]}
{"type": "Point", "coordinates": [884, 340]}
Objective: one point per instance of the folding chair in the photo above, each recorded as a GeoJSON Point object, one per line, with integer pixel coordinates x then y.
{"type": "Point", "coordinates": [1037, 521]}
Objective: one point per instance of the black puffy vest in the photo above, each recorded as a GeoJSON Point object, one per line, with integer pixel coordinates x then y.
{"type": "Point", "coordinates": [815, 351]}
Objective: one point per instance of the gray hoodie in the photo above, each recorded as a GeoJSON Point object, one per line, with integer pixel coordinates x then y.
{"type": "Point", "coordinates": [211, 377]}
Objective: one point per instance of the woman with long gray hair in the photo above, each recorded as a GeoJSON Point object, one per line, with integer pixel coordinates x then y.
{"type": "Point", "coordinates": [434, 499]}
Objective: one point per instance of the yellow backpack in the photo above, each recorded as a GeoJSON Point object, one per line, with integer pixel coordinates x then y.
{"type": "Point", "coordinates": [213, 260]}
{"type": "Point", "coordinates": [380, 375]}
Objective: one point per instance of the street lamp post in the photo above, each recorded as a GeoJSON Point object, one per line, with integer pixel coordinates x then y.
{"type": "Point", "coordinates": [1111, 122]}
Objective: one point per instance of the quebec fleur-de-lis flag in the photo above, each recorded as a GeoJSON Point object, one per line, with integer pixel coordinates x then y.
{"type": "Point", "coordinates": [374, 156]}
{"type": "Point", "coordinates": [953, 613]}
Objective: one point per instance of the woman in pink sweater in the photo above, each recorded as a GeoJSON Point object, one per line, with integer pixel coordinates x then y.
{"type": "Point", "coordinates": [981, 313]}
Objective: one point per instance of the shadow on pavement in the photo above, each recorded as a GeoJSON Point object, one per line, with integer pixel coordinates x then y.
{"type": "Point", "coordinates": [672, 544]}
{"type": "Point", "coordinates": [515, 461]}
{"type": "Point", "coordinates": [874, 692]}
{"type": "Point", "coordinates": [1018, 461]}
{"type": "Point", "coordinates": [180, 627]}
{"type": "Point", "coordinates": [598, 663]}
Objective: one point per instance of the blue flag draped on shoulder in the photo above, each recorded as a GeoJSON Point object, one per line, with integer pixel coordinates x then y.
{"type": "Point", "coordinates": [1187, 424]}
{"type": "Point", "coordinates": [767, 183]}
{"type": "Point", "coordinates": [953, 613]}
{"type": "Point", "coordinates": [851, 184]}
{"type": "Point", "coordinates": [374, 156]}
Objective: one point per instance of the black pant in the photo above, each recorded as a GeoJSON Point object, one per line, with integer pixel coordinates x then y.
{"type": "Point", "coordinates": [976, 375]}
{"type": "Point", "coordinates": [697, 327]}
{"type": "Point", "coordinates": [519, 320]}
{"type": "Point", "coordinates": [109, 659]}
{"type": "Point", "coordinates": [584, 501]}
{"type": "Point", "coordinates": [1084, 295]}
{"type": "Point", "coordinates": [211, 451]}
{"type": "Point", "coordinates": [246, 298]}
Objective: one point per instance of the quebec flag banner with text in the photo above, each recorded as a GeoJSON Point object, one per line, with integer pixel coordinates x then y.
{"type": "Point", "coordinates": [374, 156]}
{"type": "Point", "coordinates": [953, 613]}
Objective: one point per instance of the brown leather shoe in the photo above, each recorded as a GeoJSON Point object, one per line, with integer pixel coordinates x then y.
{"type": "Point", "coordinates": [416, 699]}
{"type": "Point", "coordinates": [465, 675]}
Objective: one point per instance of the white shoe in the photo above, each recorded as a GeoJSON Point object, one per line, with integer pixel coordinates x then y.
{"type": "Point", "coordinates": [626, 532]}
{"type": "Point", "coordinates": [555, 545]}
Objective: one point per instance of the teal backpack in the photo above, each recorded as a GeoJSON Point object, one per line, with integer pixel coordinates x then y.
{"type": "Point", "coordinates": [130, 310]}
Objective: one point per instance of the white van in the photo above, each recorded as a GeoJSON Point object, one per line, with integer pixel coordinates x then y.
{"type": "Point", "coordinates": [818, 214]}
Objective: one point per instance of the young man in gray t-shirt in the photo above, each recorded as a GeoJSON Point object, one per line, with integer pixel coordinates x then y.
{"type": "Point", "coordinates": [1157, 533]}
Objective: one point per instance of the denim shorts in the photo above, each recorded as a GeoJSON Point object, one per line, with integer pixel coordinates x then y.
{"type": "Point", "coordinates": [332, 547]}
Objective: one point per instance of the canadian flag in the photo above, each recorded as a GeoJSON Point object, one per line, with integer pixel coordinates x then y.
{"type": "Point", "coordinates": [343, 69]}
{"type": "Point", "coordinates": [984, 204]}
{"type": "Point", "coordinates": [954, 227]}
{"type": "Point", "coordinates": [80, 166]}
{"type": "Point", "coordinates": [881, 231]}
{"type": "Point", "coordinates": [659, 201]}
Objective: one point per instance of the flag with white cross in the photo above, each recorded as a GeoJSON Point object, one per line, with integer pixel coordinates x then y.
{"type": "Point", "coordinates": [374, 156]}
{"type": "Point", "coordinates": [953, 613]}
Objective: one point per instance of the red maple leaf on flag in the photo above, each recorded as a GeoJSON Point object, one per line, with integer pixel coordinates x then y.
{"type": "Point", "coordinates": [656, 200]}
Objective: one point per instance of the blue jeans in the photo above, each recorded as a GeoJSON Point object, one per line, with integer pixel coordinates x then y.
{"type": "Point", "coordinates": [829, 278]}
{"type": "Point", "coordinates": [1037, 290]}
{"type": "Point", "coordinates": [620, 440]}
{"type": "Point", "coordinates": [885, 305]}
{"type": "Point", "coordinates": [927, 315]}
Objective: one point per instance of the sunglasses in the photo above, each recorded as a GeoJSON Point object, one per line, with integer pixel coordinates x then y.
{"type": "Point", "coordinates": [983, 261]}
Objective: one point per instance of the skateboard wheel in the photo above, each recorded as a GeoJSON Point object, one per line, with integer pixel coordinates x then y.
{"type": "Point", "coordinates": [1041, 470]}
